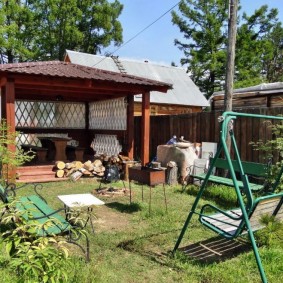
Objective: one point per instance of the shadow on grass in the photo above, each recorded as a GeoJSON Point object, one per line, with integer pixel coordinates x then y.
{"type": "Point", "coordinates": [125, 208]}
{"type": "Point", "coordinates": [212, 250]}
{"type": "Point", "coordinates": [139, 245]}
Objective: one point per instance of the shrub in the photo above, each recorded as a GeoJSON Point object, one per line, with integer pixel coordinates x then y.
{"type": "Point", "coordinates": [35, 259]}
{"type": "Point", "coordinates": [10, 158]}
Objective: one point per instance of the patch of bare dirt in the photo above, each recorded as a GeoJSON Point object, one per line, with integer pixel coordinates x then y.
{"type": "Point", "coordinates": [109, 219]}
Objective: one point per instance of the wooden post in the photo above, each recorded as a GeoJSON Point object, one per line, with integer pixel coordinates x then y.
{"type": "Point", "coordinates": [130, 126]}
{"type": "Point", "coordinates": [8, 107]}
{"type": "Point", "coordinates": [145, 128]}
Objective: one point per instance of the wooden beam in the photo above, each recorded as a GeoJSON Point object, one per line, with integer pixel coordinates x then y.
{"type": "Point", "coordinates": [95, 84]}
{"type": "Point", "coordinates": [9, 115]}
{"type": "Point", "coordinates": [145, 128]}
{"type": "Point", "coordinates": [130, 126]}
{"type": "Point", "coordinates": [3, 81]}
{"type": "Point", "coordinates": [66, 97]}
{"type": "Point", "coordinates": [10, 104]}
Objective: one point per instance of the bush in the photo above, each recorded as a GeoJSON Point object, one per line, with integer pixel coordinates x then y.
{"type": "Point", "coordinates": [10, 158]}
{"type": "Point", "coordinates": [35, 259]}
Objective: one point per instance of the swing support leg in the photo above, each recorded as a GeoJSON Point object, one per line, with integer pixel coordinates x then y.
{"type": "Point", "coordinates": [202, 188]}
{"type": "Point", "coordinates": [256, 254]}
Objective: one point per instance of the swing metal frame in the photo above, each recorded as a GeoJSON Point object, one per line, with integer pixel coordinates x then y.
{"type": "Point", "coordinates": [246, 219]}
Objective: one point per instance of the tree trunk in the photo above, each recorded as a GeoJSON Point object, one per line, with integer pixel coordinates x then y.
{"type": "Point", "coordinates": [230, 67]}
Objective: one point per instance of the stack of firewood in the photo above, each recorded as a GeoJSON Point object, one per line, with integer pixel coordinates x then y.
{"type": "Point", "coordinates": [76, 169]}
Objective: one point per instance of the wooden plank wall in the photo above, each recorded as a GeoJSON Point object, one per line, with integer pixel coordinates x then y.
{"type": "Point", "coordinates": [204, 127]}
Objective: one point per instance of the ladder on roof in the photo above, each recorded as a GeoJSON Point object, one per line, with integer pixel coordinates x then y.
{"type": "Point", "coordinates": [119, 64]}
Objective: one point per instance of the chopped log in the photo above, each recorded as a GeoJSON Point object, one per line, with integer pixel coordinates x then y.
{"type": "Point", "coordinates": [60, 173]}
{"type": "Point", "coordinates": [88, 166]}
{"type": "Point", "coordinates": [124, 158]}
{"type": "Point", "coordinates": [60, 164]}
{"type": "Point", "coordinates": [70, 171]}
{"type": "Point", "coordinates": [101, 174]}
{"type": "Point", "coordinates": [78, 164]}
{"type": "Point", "coordinates": [97, 163]}
{"type": "Point", "coordinates": [76, 175]}
{"type": "Point", "coordinates": [85, 172]}
{"type": "Point", "coordinates": [69, 165]}
{"type": "Point", "coordinates": [99, 169]}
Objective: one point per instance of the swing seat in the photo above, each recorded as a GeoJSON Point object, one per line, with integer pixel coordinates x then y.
{"type": "Point", "coordinates": [231, 223]}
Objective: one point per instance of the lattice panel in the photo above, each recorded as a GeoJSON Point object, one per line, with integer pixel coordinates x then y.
{"type": "Point", "coordinates": [108, 114]}
{"type": "Point", "coordinates": [27, 139]}
{"type": "Point", "coordinates": [35, 114]}
{"type": "Point", "coordinates": [106, 144]}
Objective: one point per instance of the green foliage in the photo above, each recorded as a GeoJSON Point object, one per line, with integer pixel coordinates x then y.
{"type": "Point", "coordinates": [272, 232]}
{"type": "Point", "coordinates": [259, 47]}
{"type": "Point", "coordinates": [271, 148]}
{"type": "Point", "coordinates": [202, 24]}
{"type": "Point", "coordinates": [43, 30]}
{"type": "Point", "coordinates": [11, 156]}
{"type": "Point", "coordinates": [255, 48]}
{"type": "Point", "coordinates": [18, 29]}
{"type": "Point", "coordinates": [35, 259]}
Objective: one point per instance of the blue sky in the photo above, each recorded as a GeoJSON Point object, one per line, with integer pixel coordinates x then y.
{"type": "Point", "coordinates": [156, 44]}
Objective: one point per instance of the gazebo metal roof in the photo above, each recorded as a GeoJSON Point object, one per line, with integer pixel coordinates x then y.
{"type": "Point", "coordinates": [73, 82]}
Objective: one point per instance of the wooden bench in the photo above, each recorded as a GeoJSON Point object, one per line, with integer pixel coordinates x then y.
{"type": "Point", "coordinates": [50, 222]}
{"type": "Point", "coordinates": [256, 170]}
{"type": "Point", "coordinates": [40, 152]}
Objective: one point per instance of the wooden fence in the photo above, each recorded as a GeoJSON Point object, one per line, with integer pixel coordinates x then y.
{"type": "Point", "coordinates": [204, 127]}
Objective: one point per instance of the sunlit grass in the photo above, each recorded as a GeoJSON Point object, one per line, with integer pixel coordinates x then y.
{"type": "Point", "coordinates": [134, 244]}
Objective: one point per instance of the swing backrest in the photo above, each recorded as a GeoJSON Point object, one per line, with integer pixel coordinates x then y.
{"type": "Point", "coordinates": [269, 206]}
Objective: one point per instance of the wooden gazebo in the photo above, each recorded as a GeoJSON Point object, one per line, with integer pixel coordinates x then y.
{"type": "Point", "coordinates": [53, 80]}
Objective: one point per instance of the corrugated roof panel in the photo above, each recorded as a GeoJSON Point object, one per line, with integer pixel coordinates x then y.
{"type": "Point", "coordinates": [184, 91]}
{"type": "Point", "coordinates": [71, 70]}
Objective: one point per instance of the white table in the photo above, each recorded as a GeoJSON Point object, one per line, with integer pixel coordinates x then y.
{"type": "Point", "coordinates": [81, 201]}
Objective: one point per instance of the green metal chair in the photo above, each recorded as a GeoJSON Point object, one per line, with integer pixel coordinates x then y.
{"type": "Point", "coordinates": [246, 219]}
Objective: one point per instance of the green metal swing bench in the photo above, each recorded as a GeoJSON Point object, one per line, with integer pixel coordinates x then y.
{"type": "Point", "coordinates": [247, 218]}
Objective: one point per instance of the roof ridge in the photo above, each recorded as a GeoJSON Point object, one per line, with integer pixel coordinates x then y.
{"type": "Point", "coordinates": [30, 64]}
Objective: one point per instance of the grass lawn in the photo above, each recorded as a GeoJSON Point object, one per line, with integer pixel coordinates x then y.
{"type": "Point", "coordinates": [131, 245]}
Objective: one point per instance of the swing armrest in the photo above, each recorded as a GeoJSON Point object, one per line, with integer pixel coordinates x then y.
{"type": "Point", "coordinates": [217, 209]}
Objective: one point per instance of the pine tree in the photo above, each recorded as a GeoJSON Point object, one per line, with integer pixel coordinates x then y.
{"type": "Point", "coordinates": [204, 25]}
{"type": "Point", "coordinates": [204, 28]}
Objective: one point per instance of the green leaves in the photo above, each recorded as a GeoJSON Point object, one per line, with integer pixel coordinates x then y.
{"type": "Point", "coordinates": [43, 30]}
{"type": "Point", "coordinates": [36, 259]}
{"type": "Point", "coordinates": [259, 46]}
{"type": "Point", "coordinates": [202, 24]}
{"type": "Point", "coordinates": [9, 158]}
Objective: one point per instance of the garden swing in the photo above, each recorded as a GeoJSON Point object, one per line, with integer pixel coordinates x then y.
{"type": "Point", "coordinates": [247, 218]}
